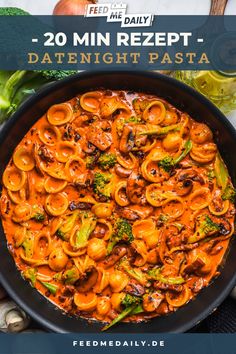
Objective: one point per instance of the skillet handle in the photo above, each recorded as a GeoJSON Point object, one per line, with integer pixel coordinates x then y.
{"type": "Point", "coordinates": [218, 7]}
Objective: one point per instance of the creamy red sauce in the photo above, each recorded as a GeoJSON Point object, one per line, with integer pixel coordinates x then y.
{"type": "Point", "coordinates": [117, 197]}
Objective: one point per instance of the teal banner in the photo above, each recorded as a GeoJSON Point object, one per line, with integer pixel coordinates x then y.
{"type": "Point", "coordinates": [94, 43]}
{"type": "Point", "coordinates": [117, 343]}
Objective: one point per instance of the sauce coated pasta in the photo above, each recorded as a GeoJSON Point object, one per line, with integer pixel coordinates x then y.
{"type": "Point", "coordinates": [117, 206]}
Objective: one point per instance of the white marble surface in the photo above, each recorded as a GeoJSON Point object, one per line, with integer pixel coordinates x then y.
{"type": "Point", "coordinates": [161, 7]}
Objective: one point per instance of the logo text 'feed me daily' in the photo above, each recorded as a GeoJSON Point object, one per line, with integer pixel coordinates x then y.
{"type": "Point", "coordinates": [116, 12]}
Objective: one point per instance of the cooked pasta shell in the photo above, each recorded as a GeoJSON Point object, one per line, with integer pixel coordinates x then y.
{"type": "Point", "coordinates": [155, 112]}
{"type": "Point", "coordinates": [142, 227]}
{"type": "Point", "coordinates": [68, 249]}
{"type": "Point", "coordinates": [75, 168]}
{"type": "Point", "coordinates": [118, 281]}
{"type": "Point", "coordinates": [65, 150]}
{"type": "Point", "coordinates": [155, 196]}
{"type": "Point", "coordinates": [90, 101]}
{"type": "Point", "coordinates": [141, 252]}
{"type": "Point", "coordinates": [42, 245]}
{"type": "Point", "coordinates": [60, 114]}
{"type": "Point", "coordinates": [180, 299]}
{"type": "Point", "coordinates": [85, 302]}
{"type": "Point", "coordinates": [128, 161]}
{"type": "Point", "coordinates": [23, 159]}
{"type": "Point", "coordinates": [13, 178]}
{"type": "Point", "coordinates": [200, 198]}
{"type": "Point", "coordinates": [22, 212]}
{"type": "Point", "coordinates": [54, 185]}
{"type": "Point", "coordinates": [17, 197]}
{"type": "Point", "coordinates": [151, 171]}
{"type": "Point", "coordinates": [49, 134]}
{"type": "Point", "coordinates": [120, 194]}
{"type": "Point", "coordinates": [102, 210]}
{"type": "Point", "coordinates": [219, 210]}
{"type": "Point", "coordinates": [103, 280]}
{"type": "Point", "coordinates": [173, 207]}
{"type": "Point", "coordinates": [56, 204]}
{"type": "Point", "coordinates": [203, 153]}
{"type": "Point", "coordinates": [110, 105]}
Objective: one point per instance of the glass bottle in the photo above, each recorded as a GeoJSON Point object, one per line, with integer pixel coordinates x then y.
{"type": "Point", "coordinates": [218, 86]}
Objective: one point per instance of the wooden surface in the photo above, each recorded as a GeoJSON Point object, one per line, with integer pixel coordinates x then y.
{"type": "Point", "coordinates": [218, 7]}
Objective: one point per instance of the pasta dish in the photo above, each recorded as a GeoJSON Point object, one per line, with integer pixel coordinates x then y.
{"type": "Point", "coordinates": [117, 206]}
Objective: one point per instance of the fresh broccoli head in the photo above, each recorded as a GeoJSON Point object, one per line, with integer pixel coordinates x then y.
{"type": "Point", "coordinates": [122, 232]}
{"type": "Point", "coordinates": [57, 74]}
{"type": "Point", "coordinates": [205, 227]}
{"type": "Point", "coordinates": [103, 185]}
{"type": "Point", "coordinates": [229, 194]}
{"type": "Point", "coordinates": [16, 86]}
{"type": "Point", "coordinates": [12, 11]}
{"type": "Point", "coordinates": [107, 160]}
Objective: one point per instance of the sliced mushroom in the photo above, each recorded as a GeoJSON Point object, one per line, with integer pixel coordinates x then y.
{"type": "Point", "coordinates": [121, 171]}
{"type": "Point", "coordinates": [170, 287]}
{"type": "Point", "coordinates": [184, 188]}
{"type": "Point", "coordinates": [136, 188]}
{"type": "Point", "coordinates": [87, 282]}
{"type": "Point", "coordinates": [127, 139]}
{"type": "Point", "coordinates": [135, 212]}
{"type": "Point", "coordinates": [117, 253]}
{"type": "Point", "coordinates": [190, 175]}
{"type": "Point", "coordinates": [134, 288]}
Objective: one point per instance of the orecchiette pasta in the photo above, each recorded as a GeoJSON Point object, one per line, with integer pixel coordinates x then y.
{"type": "Point", "coordinates": [117, 205]}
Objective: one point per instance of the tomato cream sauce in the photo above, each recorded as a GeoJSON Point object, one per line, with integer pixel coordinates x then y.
{"type": "Point", "coordinates": [116, 203]}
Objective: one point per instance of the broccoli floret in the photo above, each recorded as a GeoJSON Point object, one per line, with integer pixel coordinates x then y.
{"type": "Point", "coordinates": [162, 219]}
{"type": "Point", "coordinates": [131, 304]}
{"type": "Point", "coordinates": [107, 160]}
{"type": "Point", "coordinates": [168, 163]}
{"type": "Point", "coordinates": [67, 226]}
{"type": "Point", "coordinates": [103, 185]}
{"type": "Point", "coordinates": [208, 226]}
{"type": "Point", "coordinates": [155, 274]}
{"type": "Point", "coordinates": [57, 74]}
{"type": "Point", "coordinates": [61, 235]}
{"type": "Point", "coordinates": [134, 273]}
{"type": "Point", "coordinates": [71, 275]}
{"type": "Point", "coordinates": [229, 194]}
{"type": "Point", "coordinates": [205, 227]}
{"type": "Point", "coordinates": [39, 217]}
{"type": "Point", "coordinates": [12, 11]}
{"type": "Point", "coordinates": [50, 287]}
{"type": "Point", "coordinates": [122, 232]}
{"type": "Point", "coordinates": [130, 300]}
{"type": "Point", "coordinates": [30, 275]}
{"type": "Point", "coordinates": [140, 106]}
{"type": "Point", "coordinates": [88, 224]}
{"type": "Point", "coordinates": [90, 162]}
{"type": "Point", "coordinates": [133, 119]}
{"type": "Point", "coordinates": [211, 175]}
